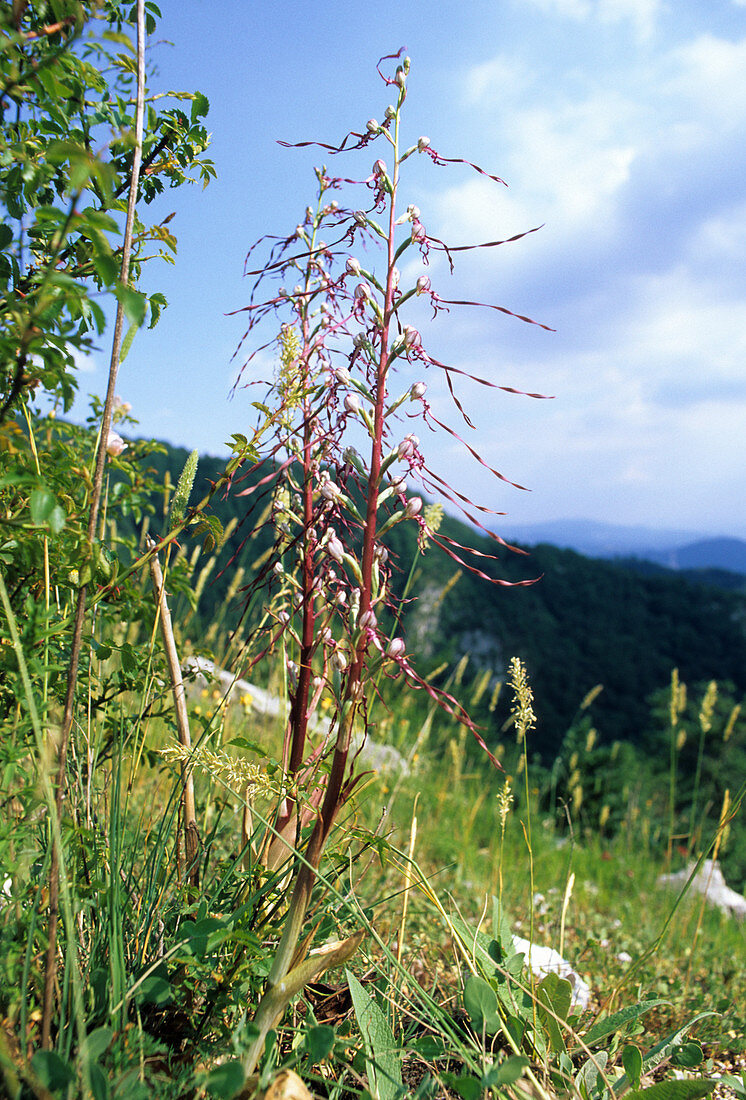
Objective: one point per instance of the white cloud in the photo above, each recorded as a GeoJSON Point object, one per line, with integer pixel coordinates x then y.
{"type": "Point", "coordinates": [705, 76]}
{"type": "Point", "coordinates": [495, 81]}
{"type": "Point", "coordinates": [641, 14]}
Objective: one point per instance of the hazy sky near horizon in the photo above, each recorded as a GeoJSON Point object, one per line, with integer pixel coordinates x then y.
{"type": "Point", "coordinates": [620, 128]}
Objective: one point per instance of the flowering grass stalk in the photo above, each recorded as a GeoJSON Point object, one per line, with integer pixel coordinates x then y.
{"type": "Point", "coordinates": [343, 334]}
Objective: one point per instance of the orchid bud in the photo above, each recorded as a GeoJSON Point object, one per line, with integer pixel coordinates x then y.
{"type": "Point", "coordinates": [339, 660]}
{"type": "Point", "coordinates": [363, 292]}
{"type": "Point", "coordinates": [381, 554]}
{"type": "Point", "coordinates": [352, 403]}
{"type": "Point", "coordinates": [413, 212]}
{"type": "Point", "coordinates": [390, 112]}
{"type": "Point", "coordinates": [278, 569]}
{"type": "Point", "coordinates": [423, 285]}
{"type": "Point", "coordinates": [352, 267]}
{"type": "Point", "coordinates": [414, 507]}
{"type": "Point", "coordinates": [341, 597]}
{"type": "Point", "coordinates": [115, 444]}
{"type": "Point", "coordinates": [342, 375]}
{"type": "Point", "coordinates": [325, 636]}
{"type": "Point", "coordinates": [309, 213]}
{"type": "Point", "coordinates": [400, 76]}
{"type": "Point", "coordinates": [335, 549]}
{"type": "Point", "coordinates": [399, 486]}
{"type": "Point", "coordinates": [407, 447]}
{"type": "Point", "coordinates": [372, 126]}
{"type": "Point", "coordinates": [379, 168]}
{"type": "Point", "coordinates": [396, 648]}
{"type": "Point", "coordinates": [349, 455]}
{"type": "Point", "coordinates": [368, 620]}
{"type": "Point", "coordinates": [418, 391]}
{"type": "Point", "coordinates": [359, 340]}
{"type": "Point", "coordinates": [360, 217]}
{"type": "Point", "coordinates": [317, 682]}
{"type": "Point", "coordinates": [411, 337]}
{"type": "Point", "coordinates": [395, 276]}
{"type": "Point", "coordinates": [418, 231]}
{"type": "Point", "coordinates": [297, 289]}
{"type": "Point", "coordinates": [330, 491]}
{"type": "Point", "coordinates": [423, 143]}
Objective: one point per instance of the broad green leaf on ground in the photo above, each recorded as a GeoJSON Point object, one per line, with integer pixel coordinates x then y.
{"type": "Point", "coordinates": [617, 1020]}
{"type": "Point", "coordinates": [555, 997]}
{"type": "Point", "coordinates": [673, 1090]}
{"type": "Point", "coordinates": [480, 1002]}
{"type": "Point", "coordinates": [383, 1055]}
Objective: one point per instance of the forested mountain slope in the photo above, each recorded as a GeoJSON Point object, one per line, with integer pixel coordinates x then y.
{"type": "Point", "coordinates": [582, 623]}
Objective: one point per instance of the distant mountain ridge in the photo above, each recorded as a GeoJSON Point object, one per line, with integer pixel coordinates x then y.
{"type": "Point", "coordinates": [674, 549]}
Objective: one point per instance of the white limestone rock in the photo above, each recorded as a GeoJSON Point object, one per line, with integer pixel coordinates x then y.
{"type": "Point", "coordinates": [709, 880]}
{"type": "Point", "coordinates": [545, 960]}
{"type": "Point", "coordinates": [203, 672]}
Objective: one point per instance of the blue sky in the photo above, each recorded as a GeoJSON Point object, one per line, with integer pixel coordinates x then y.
{"type": "Point", "coordinates": [620, 127]}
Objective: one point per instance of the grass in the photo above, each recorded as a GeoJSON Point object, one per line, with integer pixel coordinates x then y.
{"type": "Point", "coordinates": [179, 966]}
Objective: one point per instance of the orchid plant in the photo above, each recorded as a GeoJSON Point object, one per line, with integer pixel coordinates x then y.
{"type": "Point", "coordinates": [346, 468]}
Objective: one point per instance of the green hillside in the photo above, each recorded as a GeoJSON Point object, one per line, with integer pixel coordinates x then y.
{"type": "Point", "coordinates": [584, 622]}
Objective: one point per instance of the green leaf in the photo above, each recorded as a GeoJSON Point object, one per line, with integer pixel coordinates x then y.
{"type": "Point", "coordinates": [53, 1072]}
{"type": "Point", "coordinates": [106, 267]}
{"type": "Point", "coordinates": [662, 1050]}
{"type": "Point", "coordinates": [632, 1062]}
{"type": "Point", "coordinates": [428, 1047]}
{"type": "Point", "coordinates": [127, 342]}
{"type": "Point", "coordinates": [200, 106]}
{"type": "Point", "coordinates": [470, 1088]}
{"type": "Point", "coordinates": [225, 1080]}
{"type": "Point", "coordinates": [158, 303]}
{"type": "Point", "coordinates": [738, 1084]}
{"type": "Point", "coordinates": [99, 1083]}
{"type": "Point", "coordinates": [155, 990]}
{"type": "Point", "coordinates": [618, 1020]}
{"type": "Point", "coordinates": [96, 1043]}
{"type": "Point", "coordinates": [501, 930]}
{"type": "Point", "coordinates": [41, 504]}
{"type": "Point", "coordinates": [588, 1075]}
{"type": "Point", "coordinates": [688, 1056]}
{"type": "Point", "coordinates": [45, 511]}
{"type": "Point", "coordinates": [133, 302]}
{"type": "Point", "coordinates": [480, 1002]}
{"type": "Point", "coordinates": [506, 1072]}
{"type": "Point", "coordinates": [673, 1090]}
{"type": "Point", "coordinates": [554, 993]}
{"type": "Point", "coordinates": [6, 235]}
{"type": "Point", "coordinates": [477, 945]}
{"type": "Point", "coordinates": [383, 1059]}
{"type": "Point", "coordinates": [319, 1042]}
{"type": "Point", "coordinates": [204, 936]}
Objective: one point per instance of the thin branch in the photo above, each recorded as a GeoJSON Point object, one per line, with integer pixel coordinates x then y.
{"type": "Point", "coordinates": [189, 813]}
